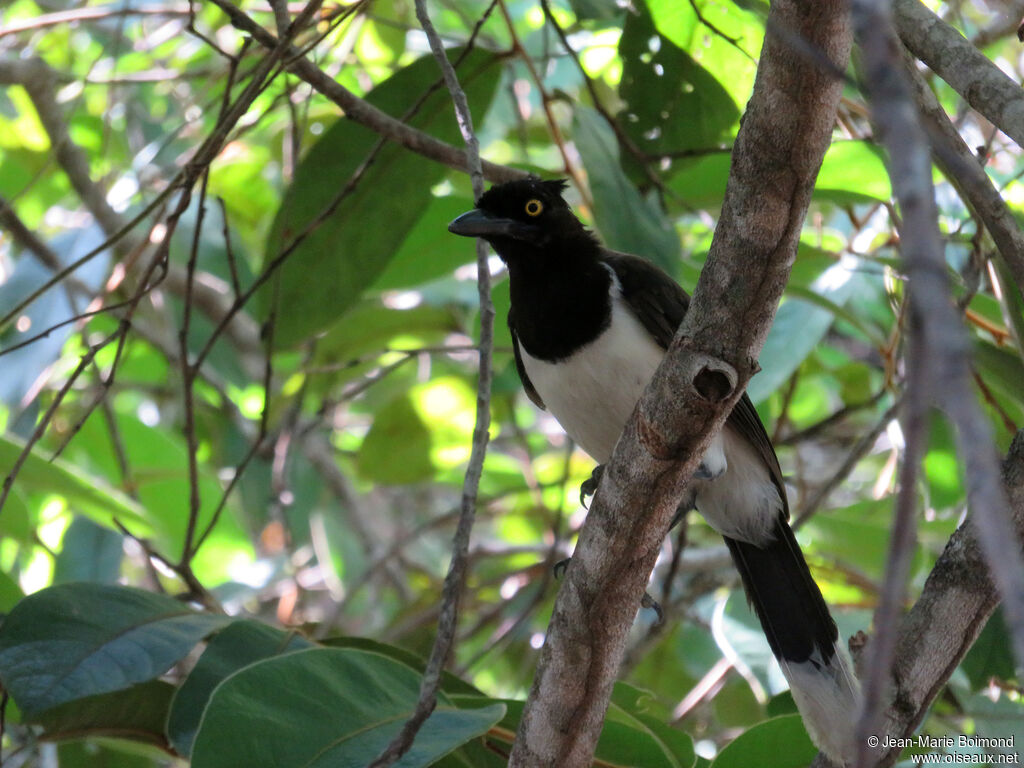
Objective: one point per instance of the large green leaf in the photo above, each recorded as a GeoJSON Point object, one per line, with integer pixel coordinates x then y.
{"type": "Point", "coordinates": [137, 713]}
{"type": "Point", "coordinates": [429, 250]}
{"type": "Point", "coordinates": [76, 640]}
{"type": "Point", "coordinates": [625, 220]}
{"type": "Point", "coordinates": [672, 104]}
{"type": "Point", "coordinates": [798, 328]}
{"type": "Point", "coordinates": [237, 646]}
{"type": "Point", "coordinates": [991, 655]}
{"type": "Point", "coordinates": [324, 708]}
{"type": "Point", "coordinates": [343, 256]}
{"type": "Point", "coordinates": [780, 742]}
{"type": "Point", "coordinates": [396, 450]}
{"type": "Point", "coordinates": [699, 183]}
{"type": "Point", "coordinates": [853, 172]}
{"type": "Point", "coordinates": [85, 494]}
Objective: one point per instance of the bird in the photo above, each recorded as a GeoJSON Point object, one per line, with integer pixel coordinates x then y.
{"type": "Point", "coordinates": [589, 326]}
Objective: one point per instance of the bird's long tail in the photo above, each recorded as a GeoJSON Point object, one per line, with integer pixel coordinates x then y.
{"type": "Point", "coordinates": [803, 637]}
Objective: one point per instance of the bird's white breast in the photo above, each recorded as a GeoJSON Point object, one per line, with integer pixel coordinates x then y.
{"type": "Point", "coordinates": [593, 392]}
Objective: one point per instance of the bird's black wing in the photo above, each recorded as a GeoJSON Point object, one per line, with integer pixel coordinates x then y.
{"type": "Point", "coordinates": [531, 392]}
{"type": "Point", "coordinates": [660, 305]}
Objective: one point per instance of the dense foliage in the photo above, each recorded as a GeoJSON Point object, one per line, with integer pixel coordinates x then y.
{"type": "Point", "coordinates": [236, 423]}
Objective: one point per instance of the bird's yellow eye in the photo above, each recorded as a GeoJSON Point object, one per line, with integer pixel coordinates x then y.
{"type": "Point", "coordinates": [534, 207]}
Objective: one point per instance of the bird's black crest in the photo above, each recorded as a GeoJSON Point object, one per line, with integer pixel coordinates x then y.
{"type": "Point", "coordinates": [510, 196]}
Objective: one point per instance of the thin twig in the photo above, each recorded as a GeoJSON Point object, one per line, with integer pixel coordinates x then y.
{"type": "Point", "coordinates": [454, 580]}
{"type": "Point", "coordinates": [546, 101]}
{"type": "Point", "coordinates": [853, 457]}
{"type": "Point", "coordinates": [361, 111]}
{"type": "Point", "coordinates": [88, 14]}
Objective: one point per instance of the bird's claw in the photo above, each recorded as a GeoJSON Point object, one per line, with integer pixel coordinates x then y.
{"type": "Point", "coordinates": [649, 602]}
{"type": "Point", "coordinates": [560, 566]}
{"type": "Point", "coordinates": [589, 486]}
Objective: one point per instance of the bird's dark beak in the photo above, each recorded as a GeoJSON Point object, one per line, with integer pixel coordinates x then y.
{"type": "Point", "coordinates": [478, 223]}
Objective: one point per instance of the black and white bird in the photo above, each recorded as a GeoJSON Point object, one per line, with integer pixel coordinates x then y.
{"type": "Point", "coordinates": [589, 327]}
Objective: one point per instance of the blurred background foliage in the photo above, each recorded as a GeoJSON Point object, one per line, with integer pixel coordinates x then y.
{"type": "Point", "coordinates": [308, 472]}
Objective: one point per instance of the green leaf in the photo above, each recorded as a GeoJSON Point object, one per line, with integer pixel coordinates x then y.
{"type": "Point", "coordinates": [853, 172]}
{"type": "Point", "coordinates": [672, 104]}
{"type": "Point", "coordinates": [396, 450]}
{"type": "Point", "coordinates": [90, 753]}
{"type": "Point", "coordinates": [601, 10]}
{"type": "Point", "coordinates": [10, 593]}
{"type": "Point", "coordinates": [85, 493]}
{"type": "Point", "coordinates": [450, 684]}
{"type": "Point", "coordinates": [326, 707]}
{"type": "Point", "coordinates": [798, 328]}
{"type": "Point", "coordinates": [780, 742]}
{"type": "Point", "coordinates": [236, 646]}
{"type": "Point", "coordinates": [429, 251]}
{"type": "Point", "coordinates": [77, 640]}
{"type": "Point", "coordinates": [88, 552]}
{"type": "Point", "coordinates": [369, 327]}
{"type": "Point", "coordinates": [342, 257]}
{"type": "Point", "coordinates": [633, 704]}
{"type": "Point", "coordinates": [137, 713]}
{"type": "Point", "coordinates": [991, 655]}
{"type": "Point", "coordinates": [626, 221]}
{"type": "Point", "coordinates": [942, 470]}
{"type": "Point", "coordinates": [699, 183]}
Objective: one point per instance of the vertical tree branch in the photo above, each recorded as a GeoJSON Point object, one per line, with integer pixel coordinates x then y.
{"type": "Point", "coordinates": [939, 345]}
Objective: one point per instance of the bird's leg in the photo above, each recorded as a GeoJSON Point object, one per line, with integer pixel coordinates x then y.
{"type": "Point", "coordinates": [560, 566]}
{"type": "Point", "coordinates": [589, 486]}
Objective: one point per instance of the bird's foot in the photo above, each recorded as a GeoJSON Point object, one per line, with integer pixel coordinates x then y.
{"type": "Point", "coordinates": [560, 566]}
{"type": "Point", "coordinates": [589, 486]}
{"type": "Point", "coordinates": [649, 602]}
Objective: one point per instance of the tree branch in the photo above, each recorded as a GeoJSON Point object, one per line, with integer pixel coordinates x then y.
{"type": "Point", "coordinates": [958, 598]}
{"type": "Point", "coordinates": [361, 111]}
{"type": "Point", "coordinates": [40, 81]}
{"type": "Point", "coordinates": [454, 582]}
{"type": "Point", "coordinates": [938, 351]}
{"type": "Point", "coordinates": [778, 151]}
{"type": "Point", "coordinates": [971, 74]}
{"type": "Point", "coordinates": [965, 172]}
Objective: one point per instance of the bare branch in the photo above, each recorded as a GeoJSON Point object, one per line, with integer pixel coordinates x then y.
{"type": "Point", "coordinates": [965, 172]}
{"type": "Point", "coordinates": [454, 580]}
{"type": "Point", "coordinates": [361, 111]}
{"type": "Point", "coordinates": [778, 151]}
{"type": "Point", "coordinates": [971, 74]}
{"type": "Point", "coordinates": [88, 14]}
{"type": "Point", "coordinates": [938, 350]}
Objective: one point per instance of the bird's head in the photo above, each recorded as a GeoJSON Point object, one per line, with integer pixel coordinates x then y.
{"type": "Point", "coordinates": [520, 217]}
